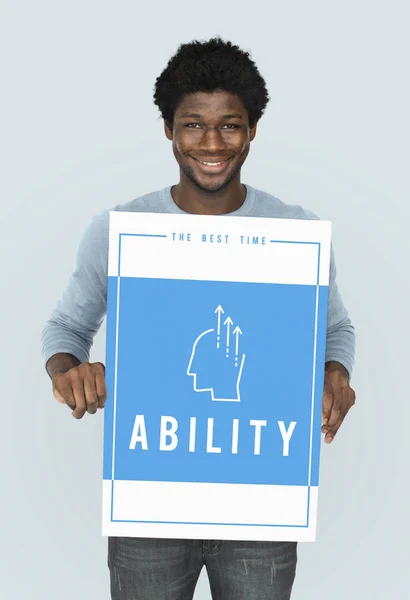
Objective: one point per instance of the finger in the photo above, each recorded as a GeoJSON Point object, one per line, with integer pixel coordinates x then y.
{"type": "Point", "coordinates": [339, 394]}
{"type": "Point", "coordinates": [91, 398]}
{"type": "Point", "coordinates": [101, 387]}
{"type": "Point", "coordinates": [348, 400]}
{"type": "Point", "coordinates": [341, 408]}
{"type": "Point", "coordinates": [79, 396]}
{"type": "Point", "coordinates": [334, 416]}
{"type": "Point", "coordinates": [327, 401]}
{"type": "Point", "coordinates": [330, 435]}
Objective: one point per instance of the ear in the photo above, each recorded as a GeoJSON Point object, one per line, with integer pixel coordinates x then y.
{"type": "Point", "coordinates": [252, 131]}
{"type": "Point", "coordinates": [168, 130]}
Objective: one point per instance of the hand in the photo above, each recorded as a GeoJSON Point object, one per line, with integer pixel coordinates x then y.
{"type": "Point", "coordinates": [82, 388]}
{"type": "Point", "coordinates": [338, 399]}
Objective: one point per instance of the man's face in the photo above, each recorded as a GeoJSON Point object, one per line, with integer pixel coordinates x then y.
{"type": "Point", "coordinates": [211, 138]}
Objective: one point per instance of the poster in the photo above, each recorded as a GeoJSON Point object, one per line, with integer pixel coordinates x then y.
{"type": "Point", "coordinates": [216, 334]}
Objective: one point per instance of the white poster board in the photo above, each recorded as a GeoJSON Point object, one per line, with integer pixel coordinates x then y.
{"type": "Point", "coordinates": [216, 335]}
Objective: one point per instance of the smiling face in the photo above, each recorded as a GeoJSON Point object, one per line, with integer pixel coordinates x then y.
{"type": "Point", "coordinates": [211, 136]}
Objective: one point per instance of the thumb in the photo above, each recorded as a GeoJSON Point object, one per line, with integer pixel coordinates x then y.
{"type": "Point", "coordinates": [58, 397]}
{"type": "Point", "coordinates": [57, 394]}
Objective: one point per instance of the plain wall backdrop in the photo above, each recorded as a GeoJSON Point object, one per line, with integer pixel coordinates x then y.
{"type": "Point", "coordinates": [80, 133]}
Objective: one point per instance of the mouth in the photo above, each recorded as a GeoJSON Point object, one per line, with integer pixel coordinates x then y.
{"type": "Point", "coordinates": [212, 166]}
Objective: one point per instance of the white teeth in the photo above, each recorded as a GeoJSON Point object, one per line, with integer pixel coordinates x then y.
{"type": "Point", "coordinates": [211, 164]}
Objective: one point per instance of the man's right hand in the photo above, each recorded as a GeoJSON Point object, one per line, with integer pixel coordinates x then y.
{"type": "Point", "coordinates": [82, 388]}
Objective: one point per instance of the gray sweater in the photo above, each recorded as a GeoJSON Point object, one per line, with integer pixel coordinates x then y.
{"type": "Point", "coordinates": [81, 309]}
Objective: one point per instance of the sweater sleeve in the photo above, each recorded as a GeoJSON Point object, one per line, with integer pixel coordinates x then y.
{"type": "Point", "coordinates": [80, 311]}
{"type": "Point", "coordinates": [340, 340]}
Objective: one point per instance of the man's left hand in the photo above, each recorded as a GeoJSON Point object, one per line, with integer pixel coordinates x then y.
{"type": "Point", "coordinates": [338, 399]}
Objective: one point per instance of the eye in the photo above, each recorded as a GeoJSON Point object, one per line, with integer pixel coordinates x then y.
{"type": "Point", "coordinates": [193, 125]}
{"type": "Point", "coordinates": [230, 126]}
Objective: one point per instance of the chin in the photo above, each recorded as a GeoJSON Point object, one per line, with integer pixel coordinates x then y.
{"type": "Point", "coordinates": [211, 186]}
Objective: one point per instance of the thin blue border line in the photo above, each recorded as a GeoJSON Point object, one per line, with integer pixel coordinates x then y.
{"type": "Point", "coordinates": [114, 419]}
{"type": "Point", "coordinates": [290, 242]}
{"type": "Point", "coordinates": [120, 236]}
{"type": "Point", "coordinates": [113, 448]}
{"type": "Point", "coordinates": [149, 235]}
{"type": "Point", "coordinates": [209, 523]}
{"type": "Point", "coordinates": [318, 244]}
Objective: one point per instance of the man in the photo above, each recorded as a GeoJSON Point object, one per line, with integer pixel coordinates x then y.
{"type": "Point", "coordinates": [211, 97]}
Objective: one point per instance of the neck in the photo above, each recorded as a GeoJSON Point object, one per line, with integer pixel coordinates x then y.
{"type": "Point", "coordinates": [192, 199]}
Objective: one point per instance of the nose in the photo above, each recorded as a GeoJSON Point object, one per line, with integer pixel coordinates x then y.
{"type": "Point", "coordinates": [211, 141]}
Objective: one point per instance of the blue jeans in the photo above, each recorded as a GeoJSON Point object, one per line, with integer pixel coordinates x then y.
{"type": "Point", "coordinates": [160, 569]}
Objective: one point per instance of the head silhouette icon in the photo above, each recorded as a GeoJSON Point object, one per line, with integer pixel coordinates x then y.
{"type": "Point", "coordinates": [217, 367]}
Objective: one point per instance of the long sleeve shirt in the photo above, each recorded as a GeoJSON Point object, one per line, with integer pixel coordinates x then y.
{"type": "Point", "coordinates": [81, 309]}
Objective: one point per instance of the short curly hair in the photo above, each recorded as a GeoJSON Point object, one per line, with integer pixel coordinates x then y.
{"type": "Point", "coordinates": [208, 66]}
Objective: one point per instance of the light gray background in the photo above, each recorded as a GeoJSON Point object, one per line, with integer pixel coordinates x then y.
{"type": "Point", "coordinates": [80, 133]}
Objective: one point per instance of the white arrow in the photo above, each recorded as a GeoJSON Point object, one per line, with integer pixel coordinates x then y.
{"type": "Point", "coordinates": [237, 331]}
{"type": "Point", "coordinates": [220, 311]}
{"type": "Point", "coordinates": [228, 322]}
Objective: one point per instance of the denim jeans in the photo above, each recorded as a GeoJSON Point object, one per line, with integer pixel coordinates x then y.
{"type": "Point", "coordinates": [160, 569]}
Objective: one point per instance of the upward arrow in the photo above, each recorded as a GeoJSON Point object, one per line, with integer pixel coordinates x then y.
{"type": "Point", "coordinates": [237, 332]}
{"type": "Point", "coordinates": [228, 322]}
{"type": "Point", "coordinates": [219, 310]}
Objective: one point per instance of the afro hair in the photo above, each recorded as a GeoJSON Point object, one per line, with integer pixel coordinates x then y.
{"type": "Point", "coordinates": [209, 66]}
